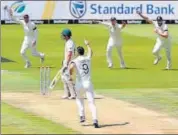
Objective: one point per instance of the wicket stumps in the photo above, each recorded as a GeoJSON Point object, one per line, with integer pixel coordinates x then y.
{"type": "Point", "coordinates": [44, 80]}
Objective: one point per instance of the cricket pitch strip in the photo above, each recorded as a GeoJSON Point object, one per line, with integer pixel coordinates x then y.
{"type": "Point", "coordinates": [115, 116]}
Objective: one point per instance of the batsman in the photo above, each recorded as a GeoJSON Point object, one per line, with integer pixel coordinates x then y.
{"type": "Point", "coordinates": [69, 52]}
{"type": "Point", "coordinates": [63, 73]}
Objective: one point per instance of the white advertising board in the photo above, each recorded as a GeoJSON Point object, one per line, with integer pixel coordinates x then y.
{"type": "Point", "coordinates": [34, 9]}
{"type": "Point", "coordinates": [91, 9]}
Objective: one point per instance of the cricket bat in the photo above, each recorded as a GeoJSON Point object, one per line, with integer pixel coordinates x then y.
{"type": "Point", "coordinates": [55, 80]}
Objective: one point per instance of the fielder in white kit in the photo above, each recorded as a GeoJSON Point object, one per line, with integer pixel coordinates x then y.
{"type": "Point", "coordinates": [69, 52]}
{"type": "Point", "coordinates": [115, 40]}
{"type": "Point", "coordinates": [30, 39]}
{"type": "Point", "coordinates": [82, 66]}
{"type": "Point", "coordinates": [163, 39]}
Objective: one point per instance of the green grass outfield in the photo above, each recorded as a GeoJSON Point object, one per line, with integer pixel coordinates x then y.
{"type": "Point", "coordinates": [17, 121]}
{"type": "Point", "coordinates": [144, 84]}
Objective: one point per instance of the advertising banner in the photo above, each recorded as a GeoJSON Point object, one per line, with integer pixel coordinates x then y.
{"type": "Point", "coordinates": [35, 9]}
{"type": "Point", "coordinates": [90, 10]}
{"type": "Point", "coordinates": [122, 10]}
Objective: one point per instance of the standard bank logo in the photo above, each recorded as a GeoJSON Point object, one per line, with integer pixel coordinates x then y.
{"type": "Point", "coordinates": [78, 8]}
{"type": "Point", "coordinates": [18, 7]}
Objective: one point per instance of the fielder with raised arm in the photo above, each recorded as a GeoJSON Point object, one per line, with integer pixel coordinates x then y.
{"type": "Point", "coordinates": [82, 66]}
{"type": "Point", "coordinates": [115, 40]}
{"type": "Point", "coordinates": [163, 39]}
{"type": "Point", "coordinates": [30, 38]}
{"type": "Point", "coordinates": [69, 52]}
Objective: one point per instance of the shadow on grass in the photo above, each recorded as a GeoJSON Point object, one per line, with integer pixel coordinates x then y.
{"type": "Point", "coordinates": [127, 68]}
{"type": "Point", "coordinates": [108, 125]}
{"type": "Point", "coordinates": [42, 66]}
{"type": "Point", "coordinates": [4, 60]}
{"type": "Point", "coordinates": [84, 98]}
{"type": "Point", "coordinates": [170, 69]}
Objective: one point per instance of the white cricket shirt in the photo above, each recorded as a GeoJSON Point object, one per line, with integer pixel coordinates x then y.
{"type": "Point", "coordinates": [161, 28]}
{"type": "Point", "coordinates": [83, 68]}
{"type": "Point", "coordinates": [114, 31]}
{"type": "Point", "coordinates": [30, 28]}
{"type": "Point", "coordinates": [69, 46]}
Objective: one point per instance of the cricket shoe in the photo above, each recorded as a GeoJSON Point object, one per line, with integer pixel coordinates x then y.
{"type": "Point", "coordinates": [42, 58]}
{"type": "Point", "coordinates": [156, 61]}
{"type": "Point", "coordinates": [72, 97]}
{"type": "Point", "coordinates": [110, 65]}
{"type": "Point", "coordinates": [82, 119]}
{"type": "Point", "coordinates": [28, 65]}
{"type": "Point", "coordinates": [123, 66]}
{"type": "Point", "coordinates": [64, 97]}
{"type": "Point", "coordinates": [95, 124]}
{"type": "Point", "coordinates": [168, 67]}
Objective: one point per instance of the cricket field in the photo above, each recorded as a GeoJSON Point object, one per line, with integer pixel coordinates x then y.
{"type": "Point", "coordinates": [140, 99]}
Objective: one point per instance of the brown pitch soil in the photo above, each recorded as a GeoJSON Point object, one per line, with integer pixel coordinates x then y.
{"type": "Point", "coordinates": [114, 116]}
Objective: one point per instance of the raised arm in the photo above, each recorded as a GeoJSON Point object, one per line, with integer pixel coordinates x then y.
{"type": "Point", "coordinates": [145, 17]}
{"type": "Point", "coordinates": [90, 53]}
{"type": "Point", "coordinates": [10, 12]}
{"type": "Point", "coordinates": [102, 22]}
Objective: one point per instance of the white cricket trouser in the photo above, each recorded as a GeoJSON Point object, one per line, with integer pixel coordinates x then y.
{"type": "Point", "coordinates": [118, 46]}
{"type": "Point", "coordinates": [81, 88]}
{"type": "Point", "coordinates": [69, 89]}
{"type": "Point", "coordinates": [27, 44]}
{"type": "Point", "coordinates": [166, 44]}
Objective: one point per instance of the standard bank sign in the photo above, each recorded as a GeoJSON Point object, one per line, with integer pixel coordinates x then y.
{"type": "Point", "coordinates": [85, 9]}
{"type": "Point", "coordinates": [124, 9]}
{"type": "Point", "coordinates": [77, 8]}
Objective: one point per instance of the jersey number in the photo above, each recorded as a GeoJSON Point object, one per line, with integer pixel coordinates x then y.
{"type": "Point", "coordinates": [85, 69]}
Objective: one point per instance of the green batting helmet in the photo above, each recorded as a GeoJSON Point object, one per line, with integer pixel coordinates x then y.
{"type": "Point", "coordinates": [67, 32]}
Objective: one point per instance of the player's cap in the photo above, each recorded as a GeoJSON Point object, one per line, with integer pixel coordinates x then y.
{"type": "Point", "coordinates": [67, 32]}
{"type": "Point", "coordinates": [113, 19]}
{"type": "Point", "coordinates": [80, 50]}
{"type": "Point", "coordinates": [159, 18]}
{"type": "Point", "coordinates": [26, 16]}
